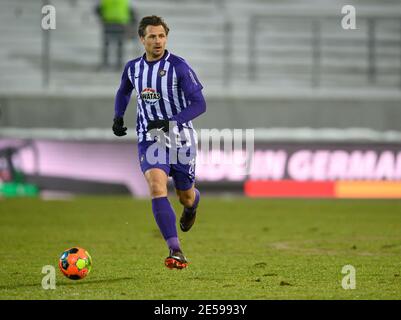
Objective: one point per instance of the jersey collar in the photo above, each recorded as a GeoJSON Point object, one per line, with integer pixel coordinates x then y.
{"type": "Point", "coordinates": [165, 56]}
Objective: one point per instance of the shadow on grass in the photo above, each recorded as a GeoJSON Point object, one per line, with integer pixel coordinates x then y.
{"type": "Point", "coordinates": [66, 284]}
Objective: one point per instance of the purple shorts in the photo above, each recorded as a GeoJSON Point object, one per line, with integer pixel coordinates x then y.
{"type": "Point", "coordinates": [181, 169]}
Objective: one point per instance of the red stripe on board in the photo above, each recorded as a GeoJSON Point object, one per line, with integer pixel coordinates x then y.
{"type": "Point", "coordinates": [288, 188]}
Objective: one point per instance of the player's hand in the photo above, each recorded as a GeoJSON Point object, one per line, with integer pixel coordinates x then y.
{"type": "Point", "coordinates": [159, 124]}
{"type": "Point", "coordinates": [118, 127]}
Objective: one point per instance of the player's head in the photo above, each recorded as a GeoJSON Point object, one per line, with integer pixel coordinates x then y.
{"type": "Point", "coordinates": [153, 33]}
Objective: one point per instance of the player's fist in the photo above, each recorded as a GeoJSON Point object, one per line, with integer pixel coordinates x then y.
{"type": "Point", "coordinates": [118, 127]}
{"type": "Point", "coordinates": [159, 124]}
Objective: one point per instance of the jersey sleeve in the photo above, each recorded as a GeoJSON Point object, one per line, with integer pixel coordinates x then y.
{"type": "Point", "coordinates": [196, 106]}
{"type": "Point", "coordinates": [187, 80]}
{"type": "Point", "coordinates": [123, 93]}
{"type": "Point", "coordinates": [191, 86]}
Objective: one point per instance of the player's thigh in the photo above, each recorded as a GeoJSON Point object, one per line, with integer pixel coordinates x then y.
{"type": "Point", "coordinates": [183, 172]}
{"type": "Point", "coordinates": [152, 155]}
{"type": "Point", "coordinates": [157, 182]}
{"type": "Point", "coordinates": [184, 182]}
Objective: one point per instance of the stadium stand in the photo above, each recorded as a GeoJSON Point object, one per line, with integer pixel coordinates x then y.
{"type": "Point", "coordinates": [284, 68]}
{"type": "Point", "coordinates": [273, 43]}
{"type": "Point", "coordinates": [264, 64]}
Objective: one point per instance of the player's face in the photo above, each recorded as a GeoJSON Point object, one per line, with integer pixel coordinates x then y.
{"type": "Point", "coordinates": [154, 42]}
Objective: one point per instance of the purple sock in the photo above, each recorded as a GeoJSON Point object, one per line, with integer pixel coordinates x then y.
{"type": "Point", "coordinates": [196, 202]}
{"type": "Point", "coordinates": [165, 219]}
{"type": "Point", "coordinates": [173, 243]}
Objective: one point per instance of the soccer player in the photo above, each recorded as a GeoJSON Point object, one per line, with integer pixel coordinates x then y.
{"type": "Point", "coordinates": [169, 96]}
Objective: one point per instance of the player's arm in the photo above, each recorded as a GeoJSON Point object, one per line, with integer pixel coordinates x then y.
{"type": "Point", "coordinates": [192, 88]}
{"type": "Point", "coordinates": [196, 104]}
{"type": "Point", "coordinates": [121, 102]}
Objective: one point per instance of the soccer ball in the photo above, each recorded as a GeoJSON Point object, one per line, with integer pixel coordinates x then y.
{"type": "Point", "coordinates": [75, 263]}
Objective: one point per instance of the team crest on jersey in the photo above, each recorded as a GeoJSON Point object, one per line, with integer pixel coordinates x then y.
{"type": "Point", "coordinates": [162, 73]}
{"type": "Point", "coordinates": [150, 96]}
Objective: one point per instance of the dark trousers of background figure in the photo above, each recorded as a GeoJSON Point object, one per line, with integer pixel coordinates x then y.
{"type": "Point", "coordinates": [113, 34]}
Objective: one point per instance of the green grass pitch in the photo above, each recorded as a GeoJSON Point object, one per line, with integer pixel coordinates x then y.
{"type": "Point", "coordinates": [238, 249]}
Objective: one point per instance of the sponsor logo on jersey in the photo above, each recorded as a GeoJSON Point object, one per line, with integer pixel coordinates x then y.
{"type": "Point", "coordinates": [162, 73]}
{"type": "Point", "coordinates": [150, 96]}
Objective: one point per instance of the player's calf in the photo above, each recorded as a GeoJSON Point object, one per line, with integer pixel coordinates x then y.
{"type": "Point", "coordinates": [188, 216]}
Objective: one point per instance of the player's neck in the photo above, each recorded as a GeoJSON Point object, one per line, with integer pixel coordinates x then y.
{"type": "Point", "coordinates": [152, 58]}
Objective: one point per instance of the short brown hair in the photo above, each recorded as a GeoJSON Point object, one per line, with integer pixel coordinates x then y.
{"type": "Point", "coordinates": [151, 21]}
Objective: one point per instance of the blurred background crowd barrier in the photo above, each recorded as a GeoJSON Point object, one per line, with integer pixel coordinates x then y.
{"type": "Point", "coordinates": [325, 102]}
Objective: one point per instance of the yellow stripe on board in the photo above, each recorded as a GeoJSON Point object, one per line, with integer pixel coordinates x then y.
{"type": "Point", "coordinates": [367, 189]}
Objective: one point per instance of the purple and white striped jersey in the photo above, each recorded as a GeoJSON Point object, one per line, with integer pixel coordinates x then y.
{"type": "Point", "coordinates": [163, 90]}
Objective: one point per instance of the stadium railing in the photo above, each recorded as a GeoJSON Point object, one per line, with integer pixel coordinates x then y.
{"type": "Point", "coordinates": [370, 55]}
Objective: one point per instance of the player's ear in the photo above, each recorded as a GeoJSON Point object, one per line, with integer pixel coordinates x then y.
{"type": "Point", "coordinates": [142, 40]}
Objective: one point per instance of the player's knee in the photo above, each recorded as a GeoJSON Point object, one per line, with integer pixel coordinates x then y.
{"type": "Point", "coordinates": [157, 189]}
{"type": "Point", "coordinates": [186, 200]}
